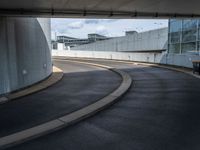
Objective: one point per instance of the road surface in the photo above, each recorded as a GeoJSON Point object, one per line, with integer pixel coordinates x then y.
{"type": "Point", "coordinates": [161, 111]}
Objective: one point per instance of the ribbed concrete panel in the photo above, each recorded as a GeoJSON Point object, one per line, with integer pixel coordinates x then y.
{"type": "Point", "coordinates": [145, 41]}
{"type": "Point", "coordinates": [24, 51]}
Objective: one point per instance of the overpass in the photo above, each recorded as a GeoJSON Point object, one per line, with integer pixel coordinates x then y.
{"type": "Point", "coordinates": [101, 8]}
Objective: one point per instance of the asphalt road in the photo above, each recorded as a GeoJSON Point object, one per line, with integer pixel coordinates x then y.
{"type": "Point", "coordinates": [161, 111]}
{"type": "Point", "coordinates": [80, 86]}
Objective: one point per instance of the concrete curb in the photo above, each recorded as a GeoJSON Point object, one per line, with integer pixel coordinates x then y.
{"type": "Point", "coordinates": [174, 68]}
{"type": "Point", "coordinates": [171, 68]}
{"type": "Point", "coordinates": [52, 79]}
{"type": "Point", "coordinates": [74, 117]}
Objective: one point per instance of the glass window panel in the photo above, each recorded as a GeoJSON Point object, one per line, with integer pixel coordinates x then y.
{"type": "Point", "coordinates": [174, 37]}
{"type": "Point", "coordinates": [189, 35]}
{"type": "Point", "coordinates": [174, 48]}
{"type": "Point", "coordinates": [199, 33]}
{"type": "Point", "coordinates": [175, 26]}
{"type": "Point", "coordinates": [198, 46]}
{"type": "Point", "coordinates": [198, 22]}
{"type": "Point", "coordinates": [188, 47]}
{"type": "Point", "coordinates": [172, 20]}
{"type": "Point", "coordinates": [189, 24]}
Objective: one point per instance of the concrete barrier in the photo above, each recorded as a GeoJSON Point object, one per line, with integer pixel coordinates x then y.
{"type": "Point", "coordinates": [184, 60]}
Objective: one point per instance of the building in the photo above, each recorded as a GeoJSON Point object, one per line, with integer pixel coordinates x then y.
{"type": "Point", "coordinates": [184, 42]}
{"type": "Point", "coordinates": [148, 46]}
{"type": "Point", "coordinates": [63, 39]}
{"type": "Point", "coordinates": [96, 37]}
{"type": "Point", "coordinates": [178, 45]}
{"type": "Point", "coordinates": [184, 36]}
{"type": "Point", "coordinates": [132, 41]}
{"type": "Point", "coordinates": [69, 42]}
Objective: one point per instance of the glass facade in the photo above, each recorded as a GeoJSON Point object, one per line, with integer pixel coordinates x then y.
{"type": "Point", "coordinates": [184, 36]}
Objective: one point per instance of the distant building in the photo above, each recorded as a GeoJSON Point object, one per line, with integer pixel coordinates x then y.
{"type": "Point", "coordinates": [96, 37]}
{"type": "Point", "coordinates": [72, 42]}
{"type": "Point", "coordinates": [63, 39]}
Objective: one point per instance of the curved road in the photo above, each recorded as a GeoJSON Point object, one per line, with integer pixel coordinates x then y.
{"type": "Point", "coordinates": [80, 86]}
{"type": "Point", "coordinates": [161, 111]}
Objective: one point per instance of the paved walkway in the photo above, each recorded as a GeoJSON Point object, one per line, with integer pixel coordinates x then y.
{"type": "Point", "coordinates": [160, 112]}
{"type": "Point", "coordinates": [80, 86]}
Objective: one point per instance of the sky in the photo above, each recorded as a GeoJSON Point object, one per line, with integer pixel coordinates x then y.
{"type": "Point", "coordinates": [79, 28]}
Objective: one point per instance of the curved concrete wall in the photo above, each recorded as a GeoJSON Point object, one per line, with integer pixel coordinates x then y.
{"type": "Point", "coordinates": [25, 55]}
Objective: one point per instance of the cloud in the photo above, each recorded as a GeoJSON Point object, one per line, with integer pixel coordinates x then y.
{"type": "Point", "coordinates": [110, 27]}
{"type": "Point", "coordinates": [98, 21]}
{"type": "Point", "coordinates": [102, 30]}
{"type": "Point", "coordinates": [59, 26]}
{"type": "Point", "coordinates": [109, 20]}
{"type": "Point", "coordinates": [76, 25]}
{"type": "Point", "coordinates": [91, 21]}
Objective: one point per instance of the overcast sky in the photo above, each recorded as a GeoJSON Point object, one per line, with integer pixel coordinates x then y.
{"type": "Point", "coordinates": [79, 28]}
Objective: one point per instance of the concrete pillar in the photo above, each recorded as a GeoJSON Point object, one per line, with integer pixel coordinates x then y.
{"type": "Point", "coordinates": [25, 52]}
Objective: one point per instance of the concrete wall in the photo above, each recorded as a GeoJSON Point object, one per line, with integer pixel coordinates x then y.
{"type": "Point", "coordinates": [145, 41]}
{"type": "Point", "coordinates": [25, 52]}
{"type": "Point", "coordinates": [144, 57]}
{"type": "Point", "coordinates": [162, 58]}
